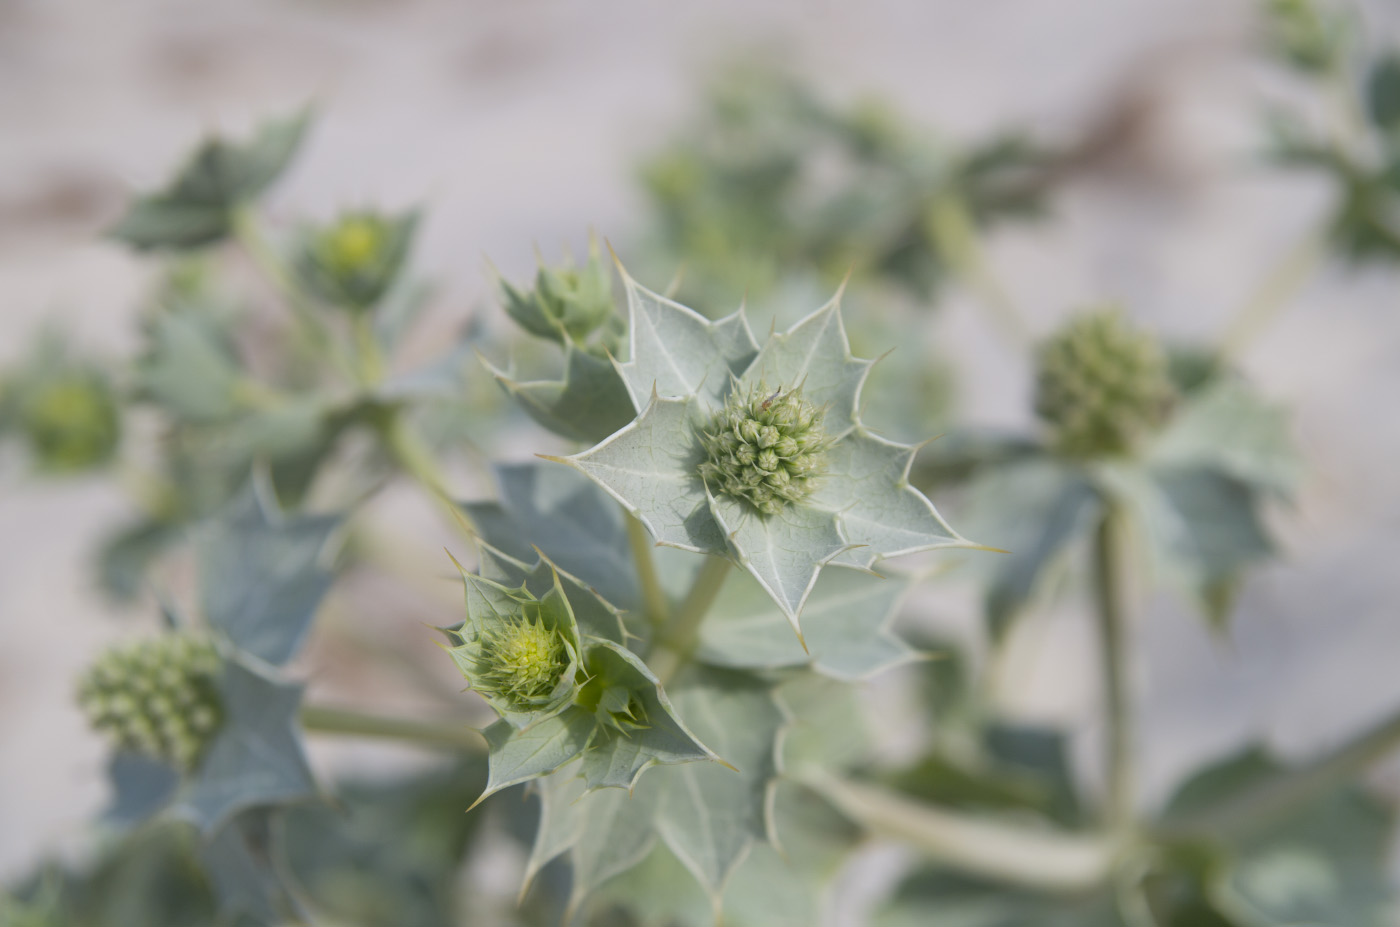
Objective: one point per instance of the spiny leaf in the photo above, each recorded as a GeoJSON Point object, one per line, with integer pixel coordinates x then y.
{"type": "Point", "coordinates": [257, 758]}
{"type": "Point", "coordinates": [816, 355]}
{"type": "Point", "coordinates": [652, 468]}
{"type": "Point", "coordinates": [710, 815]}
{"type": "Point", "coordinates": [263, 575]}
{"type": "Point", "coordinates": [521, 755]}
{"type": "Point", "coordinates": [589, 403]}
{"type": "Point", "coordinates": [1229, 426]}
{"type": "Point", "coordinates": [1322, 861]}
{"type": "Point", "coordinates": [241, 871]}
{"type": "Point", "coordinates": [845, 625]}
{"type": "Point", "coordinates": [1203, 527]}
{"type": "Point", "coordinates": [189, 367]}
{"type": "Point", "coordinates": [676, 352]}
{"type": "Point", "coordinates": [196, 207]}
{"type": "Point", "coordinates": [880, 515]}
{"type": "Point", "coordinates": [1037, 509]}
{"type": "Point", "coordinates": [784, 552]}
{"type": "Point", "coordinates": [619, 757]}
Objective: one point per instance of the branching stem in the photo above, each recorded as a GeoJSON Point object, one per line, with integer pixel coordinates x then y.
{"type": "Point", "coordinates": [1273, 293]}
{"type": "Point", "coordinates": [676, 645]}
{"type": "Point", "coordinates": [449, 735]}
{"type": "Point", "coordinates": [956, 236]}
{"type": "Point", "coordinates": [653, 596]}
{"type": "Point", "coordinates": [1296, 787]}
{"type": "Point", "coordinates": [1040, 859]}
{"type": "Point", "coordinates": [249, 235]}
{"type": "Point", "coordinates": [1112, 613]}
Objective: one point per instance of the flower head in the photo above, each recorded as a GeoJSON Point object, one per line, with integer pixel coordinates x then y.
{"type": "Point", "coordinates": [71, 420]}
{"type": "Point", "coordinates": [764, 447]}
{"type": "Point", "coordinates": [353, 261]}
{"type": "Point", "coordinates": [521, 653]}
{"type": "Point", "coordinates": [569, 304]}
{"type": "Point", "coordinates": [1101, 385]}
{"type": "Point", "coordinates": [159, 697]}
{"type": "Point", "coordinates": [757, 452]}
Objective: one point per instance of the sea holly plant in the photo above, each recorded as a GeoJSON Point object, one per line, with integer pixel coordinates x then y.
{"type": "Point", "coordinates": [1171, 440]}
{"type": "Point", "coordinates": [641, 717]}
{"type": "Point", "coordinates": [755, 453]}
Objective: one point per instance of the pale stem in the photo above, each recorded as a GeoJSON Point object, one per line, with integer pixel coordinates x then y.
{"type": "Point", "coordinates": [249, 234]}
{"type": "Point", "coordinates": [413, 454]}
{"type": "Point", "coordinates": [450, 735]}
{"type": "Point", "coordinates": [1273, 294]}
{"type": "Point", "coordinates": [1041, 859]}
{"type": "Point", "coordinates": [371, 359]}
{"type": "Point", "coordinates": [1112, 613]}
{"type": "Point", "coordinates": [653, 597]}
{"type": "Point", "coordinates": [957, 240]}
{"type": "Point", "coordinates": [1297, 786]}
{"type": "Point", "coordinates": [675, 646]}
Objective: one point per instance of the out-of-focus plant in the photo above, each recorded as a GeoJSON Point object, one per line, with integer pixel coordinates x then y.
{"type": "Point", "coordinates": [671, 621]}
{"type": "Point", "coordinates": [774, 180]}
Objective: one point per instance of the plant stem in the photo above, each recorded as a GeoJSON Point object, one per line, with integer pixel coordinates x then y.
{"type": "Point", "coordinates": [674, 649]}
{"type": "Point", "coordinates": [412, 453]}
{"type": "Point", "coordinates": [371, 359]}
{"type": "Point", "coordinates": [1273, 293]}
{"type": "Point", "coordinates": [1111, 611]}
{"type": "Point", "coordinates": [444, 734]}
{"type": "Point", "coordinates": [1040, 859]}
{"type": "Point", "coordinates": [1297, 786]}
{"type": "Point", "coordinates": [249, 234]}
{"type": "Point", "coordinates": [653, 597]}
{"type": "Point", "coordinates": [955, 234]}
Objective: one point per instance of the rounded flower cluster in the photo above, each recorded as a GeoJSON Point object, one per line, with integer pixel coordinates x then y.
{"type": "Point", "coordinates": [570, 302]}
{"type": "Point", "coordinates": [72, 422]}
{"type": "Point", "coordinates": [352, 262]}
{"type": "Point", "coordinates": [524, 662]}
{"type": "Point", "coordinates": [766, 448]}
{"type": "Point", "coordinates": [1101, 384]}
{"type": "Point", "coordinates": [159, 697]}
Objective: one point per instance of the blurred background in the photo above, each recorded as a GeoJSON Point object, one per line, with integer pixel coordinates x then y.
{"type": "Point", "coordinates": [526, 125]}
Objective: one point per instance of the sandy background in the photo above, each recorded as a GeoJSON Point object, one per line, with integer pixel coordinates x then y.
{"type": "Point", "coordinates": [521, 123]}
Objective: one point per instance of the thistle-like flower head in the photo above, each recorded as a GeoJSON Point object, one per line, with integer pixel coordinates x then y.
{"type": "Point", "coordinates": [764, 447]}
{"type": "Point", "coordinates": [757, 452]}
{"type": "Point", "coordinates": [353, 261]}
{"type": "Point", "coordinates": [159, 697]}
{"type": "Point", "coordinates": [71, 420]}
{"type": "Point", "coordinates": [1101, 385]}
{"type": "Point", "coordinates": [521, 653]}
{"type": "Point", "coordinates": [569, 304]}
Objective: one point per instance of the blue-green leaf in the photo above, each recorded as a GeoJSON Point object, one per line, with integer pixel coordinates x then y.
{"type": "Point", "coordinates": [263, 575]}
{"type": "Point", "coordinates": [589, 403]}
{"type": "Point", "coordinates": [845, 624]}
{"type": "Point", "coordinates": [815, 355]}
{"type": "Point", "coordinates": [619, 755]}
{"type": "Point", "coordinates": [1038, 510]}
{"type": "Point", "coordinates": [711, 815]}
{"type": "Point", "coordinates": [521, 755]}
{"type": "Point", "coordinates": [676, 352]}
{"type": "Point", "coordinates": [257, 758]}
{"type": "Point", "coordinates": [196, 208]}
{"type": "Point", "coordinates": [652, 468]}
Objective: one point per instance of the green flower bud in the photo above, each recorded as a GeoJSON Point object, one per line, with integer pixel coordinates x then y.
{"type": "Point", "coordinates": [353, 261]}
{"type": "Point", "coordinates": [159, 697]}
{"type": "Point", "coordinates": [1312, 39]}
{"type": "Point", "coordinates": [71, 420]}
{"type": "Point", "coordinates": [765, 447]}
{"type": "Point", "coordinates": [1101, 385]}
{"type": "Point", "coordinates": [570, 303]}
{"type": "Point", "coordinates": [519, 652]}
